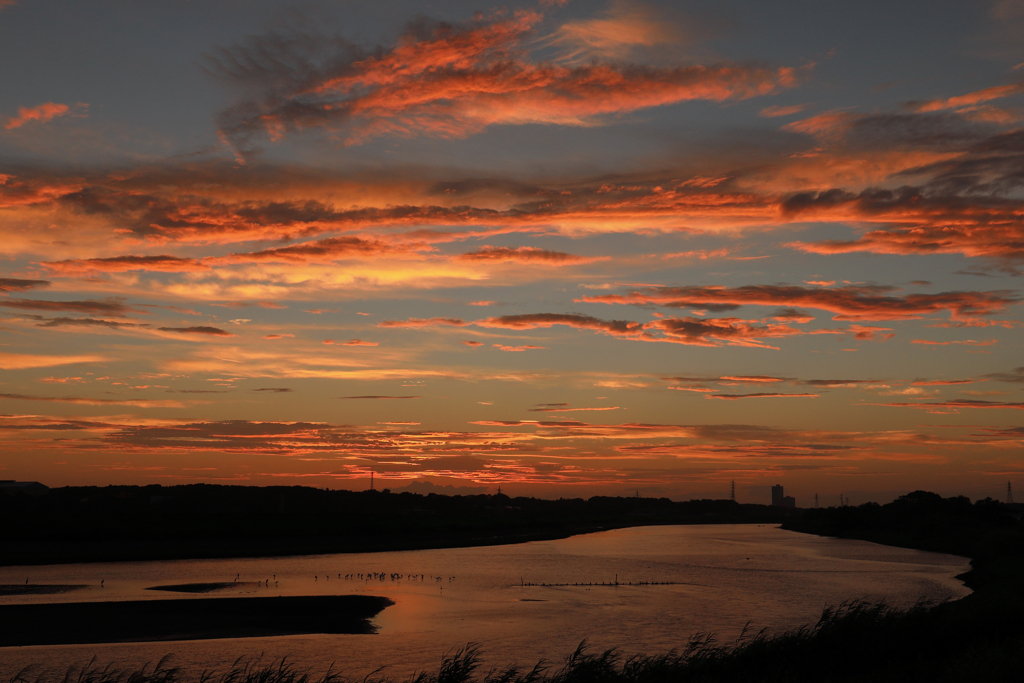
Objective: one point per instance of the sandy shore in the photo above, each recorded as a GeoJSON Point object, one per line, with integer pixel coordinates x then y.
{"type": "Point", "coordinates": [186, 619]}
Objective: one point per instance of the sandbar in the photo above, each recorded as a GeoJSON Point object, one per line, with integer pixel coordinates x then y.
{"type": "Point", "coordinates": [37, 588]}
{"type": "Point", "coordinates": [204, 587]}
{"type": "Point", "coordinates": [186, 619]}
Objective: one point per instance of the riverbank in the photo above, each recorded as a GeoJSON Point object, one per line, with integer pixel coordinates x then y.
{"type": "Point", "coordinates": [185, 619]}
{"type": "Point", "coordinates": [200, 521]}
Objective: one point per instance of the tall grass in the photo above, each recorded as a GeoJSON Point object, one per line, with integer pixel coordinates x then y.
{"type": "Point", "coordinates": [856, 641]}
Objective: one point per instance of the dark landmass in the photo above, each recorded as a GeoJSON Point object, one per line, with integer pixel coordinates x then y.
{"type": "Point", "coordinates": [187, 619]}
{"type": "Point", "coordinates": [38, 588]}
{"type": "Point", "coordinates": [977, 638]}
{"type": "Point", "coordinates": [204, 587]}
{"type": "Point", "coordinates": [987, 531]}
{"type": "Point", "coordinates": [128, 523]}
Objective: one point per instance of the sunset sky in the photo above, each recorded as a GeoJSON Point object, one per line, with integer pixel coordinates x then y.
{"type": "Point", "coordinates": [566, 248]}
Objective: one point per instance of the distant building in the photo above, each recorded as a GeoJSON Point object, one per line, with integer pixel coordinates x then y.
{"type": "Point", "coordinates": [31, 488]}
{"type": "Point", "coordinates": [780, 499]}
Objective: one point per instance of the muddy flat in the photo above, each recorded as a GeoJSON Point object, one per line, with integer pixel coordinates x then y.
{"type": "Point", "coordinates": [204, 587]}
{"type": "Point", "coordinates": [37, 589]}
{"type": "Point", "coordinates": [186, 619]}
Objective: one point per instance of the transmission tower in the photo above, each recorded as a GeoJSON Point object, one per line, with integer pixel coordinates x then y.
{"type": "Point", "coordinates": [815, 500]}
{"type": "Point", "coordinates": [1009, 494]}
{"type": "Point", "coordinates": [732, 492]}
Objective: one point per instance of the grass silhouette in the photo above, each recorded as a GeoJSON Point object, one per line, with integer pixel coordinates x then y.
{"type": "Point", "coordinates": [951, 642]}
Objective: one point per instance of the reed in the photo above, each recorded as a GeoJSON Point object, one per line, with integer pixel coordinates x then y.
{"type": "Point", "coordinates": [856, 641]}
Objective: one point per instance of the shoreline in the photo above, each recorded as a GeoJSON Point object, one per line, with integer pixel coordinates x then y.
{"type": "Point", "coordinates": [40, 554]}
{"type": "Point", "coordinates": [79, 623]}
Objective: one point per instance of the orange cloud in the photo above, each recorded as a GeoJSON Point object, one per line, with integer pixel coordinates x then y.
{"type": "Point", "coordinates": [734, 397]}
{"type": "Point", "coordinates": [114, 307]}
{"type": "Point", "coordinates": [322, 251]}
{"type": "Point", "coordinates": [781, 110]}
{"type": "Point", "coordinates": [714, 331]}
{"type": "Point", "coordinates": [523, 255]}
{"type": "Point", "coordinates": [502, 347]}
{"type": "Point", "coordinates": [8, 284]}
{"type": "Point", "coordinates": [381, 397]}
{"type": "Point", "coordinates": [42, 113]}
{"type": "Point", "coordinates": [751, 379]}
{"type": "Point", "coordinates": [198, 329]}
{"type": "Point", "coordinates": [25, 361]}
{"type": "Point", "coordinates": [977, 97]}
{"type": "Point", "coordinates": [423, 322]}
{"type": "Point", "coordinates": [115, 264]}
{"type": "Point", "coordinates": [459, 79]}
{"type": "Point", "coordinates": [137, 403]}
{"type": "Point", "coordinates": [943, 382]}
{"type": "Point", "coordinates": [275, 336]}
{"type": "Point", "coordinates": [961, 403]}
{"type": "Point", "coordinates": [965, 342]}
{"type": "Point", "coordinates": [359, 342]}
{"type": "Point", "coordinates": [851, 302]}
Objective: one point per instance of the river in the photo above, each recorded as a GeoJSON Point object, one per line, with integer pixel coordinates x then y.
{"type": "Point", "coordinates": [643, 589]}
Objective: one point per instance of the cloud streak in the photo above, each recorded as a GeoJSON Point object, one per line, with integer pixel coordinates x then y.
{"type": "Point", "coordinates": [455, 80]}
{"type": "Point", "coordinates": [850, 302]}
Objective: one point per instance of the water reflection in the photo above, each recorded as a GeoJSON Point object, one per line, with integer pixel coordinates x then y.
{"type": "Point", "coordinates": [672, 582]}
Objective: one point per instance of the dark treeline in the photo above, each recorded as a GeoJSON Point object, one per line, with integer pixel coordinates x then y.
{"type": "Point", "coordinates": [116, 523]}
{"type": "Point", "coordinates": [987, 531]}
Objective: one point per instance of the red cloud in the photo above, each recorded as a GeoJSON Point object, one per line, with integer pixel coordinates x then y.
{"type": "Point", "coordinates": [8, 284]}
{"type": "Point", "coordinates": [524, 255]}
{"type": "Point", "coordinates": [115, 264]}
{"type": "Point", "coordinates": [977, 97]}
{"type": "Point", "coordinates": [534, 320]}
{"type": "Point", "coordinates": [965, 342]}
{"type": "Point", "coordinates": [851, 302]}
{"type": "Point", "coordinates": [693, 331]}
{"type": "Point", "coordinates": [381, 397]}
{"type": "Point", "coordinates": [199, 329]}
{"type": "Point", "coordinates": [502, 347]}
{"type": "Point", "coordinates": [713, 331]}
{"type": "Point", "coordinates": [983, 225]}
{"type": "Point", "coordinates": [751, 379]}
{"type": "Point", "coordinates": [733, 397]}
{"type": "Point", "coordinates": [943, 382]}
{"type": "Point", "coordinates": [961, 403]}
{"type": "Point", "coordinates": [423, 322]}
{"type": "Point", "coordinates": [321, 251]}
{"type": "Point", "coordinates": [458, 80]}
{"type": "Point", "coordinates": [114, 307]}
{"type": "Point", "coordinates": [42, 113]}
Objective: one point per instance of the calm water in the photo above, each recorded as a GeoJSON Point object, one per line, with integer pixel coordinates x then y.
{"type": "Point", "coordinates": [722, 577]}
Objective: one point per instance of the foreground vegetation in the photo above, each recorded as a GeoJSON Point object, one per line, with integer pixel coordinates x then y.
{"type": "Point", "coordinates": [854, 642]}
